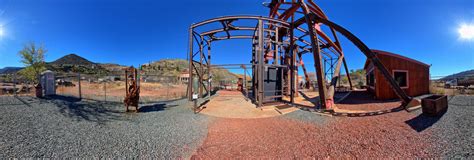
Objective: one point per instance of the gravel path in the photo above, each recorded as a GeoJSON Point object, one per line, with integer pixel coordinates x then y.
{"type": "Point", "coordinates": [454, 130]}
{"type": "Point", "coordinates": [67, 128]}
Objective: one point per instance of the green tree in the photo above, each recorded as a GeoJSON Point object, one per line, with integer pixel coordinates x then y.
{"type": "Point", "coordinates": [32, 56]}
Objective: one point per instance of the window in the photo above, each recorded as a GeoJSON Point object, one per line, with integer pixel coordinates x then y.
{"type": "Point", "coordinates": [401, 77]}
{"type": "Point", "coordinates": [371, 78]}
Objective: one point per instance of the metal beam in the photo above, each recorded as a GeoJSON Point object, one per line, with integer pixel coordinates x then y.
{"type": "Point", "coordinates": [369, 54]}
{"type": "Point", "coordinates": [317, 58]}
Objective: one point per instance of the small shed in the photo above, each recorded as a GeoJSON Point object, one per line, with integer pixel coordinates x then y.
{"type": "Point", "coordinates": [411, 75]}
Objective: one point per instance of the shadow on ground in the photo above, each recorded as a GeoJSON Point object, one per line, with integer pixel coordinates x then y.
{"type": "Point", "coordinates": [313, 100]}
{"type": "Point", "coordinates": [363, 97]}
{"type": "Point", "coordinates": [422, 121]}
{"type": "Point", "coordinates": [155, 107]}
{"type": "Point", "coordinates": [94, 111]}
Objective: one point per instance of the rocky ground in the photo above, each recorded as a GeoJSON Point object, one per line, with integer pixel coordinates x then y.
{"type": "Point", "coordinates": [64, 127]}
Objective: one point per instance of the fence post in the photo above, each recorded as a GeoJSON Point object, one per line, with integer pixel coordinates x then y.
{"type": "Point", "coordinates": [105, 91]}
{"type": "Point", "coordinates": [14, 84]}
{"type": "Point", "coordinates": [79, 85]}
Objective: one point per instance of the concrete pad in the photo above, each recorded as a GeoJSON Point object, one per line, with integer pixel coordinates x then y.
{"type": "Point", "coordinates": [235, 106]}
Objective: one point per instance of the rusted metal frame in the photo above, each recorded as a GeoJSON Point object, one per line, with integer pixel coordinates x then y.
{"type": "Point", "coordinates": [245, 83]}
{"type": "Point", "coordinates": [322, 34]}
{"type": "Point", "coordinates": [310, 50]}
{"type": "Point", "coordinates": [336, 39]}
{"type": "Point", "coordinates": [254, 65]}
{"type": "Point", "coordinates": [197, 62]}
{"type": "Point", "coordinates": [275, 58]}
{"type": "Point", "coordinates": [369, 54]}
{"type": "Point", "coordinates": [335, 78]}
{"type": "Point", "coordinates": [289, 12]}
{"type": "Point", "coordinates": [241, 17]}
{"type": "Point", "coordinates": [190, 65]}
{"type": "Point", "coordinates": [274, 10]}
{"type": "Point", "coordinates": [201, 67]}
{"type": "Point", "coordinates": [306, 77]}
{"type": "Point", "coordinates": [232, 37]}
{"type": "Point", "coordinates": [260, 53]}
{"type": "Point", "coordinates": [236, 29]}
{"type": "Point", "coordinates": [254, 72]}
{"type": "Point", "coordinates": [315, 9]}
{"type": "Point", "coordinates": [209, 75]}
{"type": "Point", "coordinates": [225, 24]}
{"type": "Point", "coordinates": [221, 65]}
{"type": "Point", "coordinates": [292, 62]}
{"type": "Point", "coordinates": [198, 74]}
{"type": "Point", "coordinates": [317, 57]}
{"type": "Point", "coordinates": [347, 72]}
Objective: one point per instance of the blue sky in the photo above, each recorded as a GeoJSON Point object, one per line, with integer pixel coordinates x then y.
{"type": "Point", "coordinates": [137, 32]}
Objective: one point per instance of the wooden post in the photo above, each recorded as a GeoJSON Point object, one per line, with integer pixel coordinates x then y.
{"type": "Point", "coordinates": [14, 84]}
{"type": "Point", "coordinates": [105, 91]}
{"type": "Point", "coordinates": [79, 84]}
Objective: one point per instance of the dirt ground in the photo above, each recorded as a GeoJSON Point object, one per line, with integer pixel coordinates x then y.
{"type": "Point", "coordinates": [232, 104]}
{"type": "Point", "coordinates": [116, 90]}
{"type": "Point", "coordinates": [381, 136]}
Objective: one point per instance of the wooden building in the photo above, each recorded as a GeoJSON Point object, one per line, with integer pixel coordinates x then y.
{"type": "Point", "coordinates": [411, 75]}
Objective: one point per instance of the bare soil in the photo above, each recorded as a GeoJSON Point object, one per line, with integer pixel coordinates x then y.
{"type": "Point", "coordinates": [381, 136]}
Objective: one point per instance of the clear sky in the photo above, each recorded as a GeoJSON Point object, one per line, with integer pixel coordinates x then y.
{"type": "Point", "coordinates": [136, 32]}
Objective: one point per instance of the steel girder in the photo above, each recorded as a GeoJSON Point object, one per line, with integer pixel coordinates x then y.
{"type": "Point", "coordinates": [275, 37]}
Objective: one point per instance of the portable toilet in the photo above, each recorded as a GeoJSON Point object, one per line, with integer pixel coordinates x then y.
{"type": "Point", "coordinates": [48, 83]}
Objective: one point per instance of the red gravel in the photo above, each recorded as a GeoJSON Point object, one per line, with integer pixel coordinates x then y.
{"type": "Point", "coordinates": [364, 101]}
{"type": "Point", "coordinates": [374, 136]}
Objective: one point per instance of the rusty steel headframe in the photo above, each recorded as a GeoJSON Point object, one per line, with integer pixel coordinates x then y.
{"type": "Point", "coordinates": [292, 29]}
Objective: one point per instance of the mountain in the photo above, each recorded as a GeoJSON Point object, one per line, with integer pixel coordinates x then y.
{"type": "Point", "coordinates": [468, 73]}
{"type": "Point", "coordinates": [73, 63]}
{"type": "Point", "coordinates": [72, 59]}
{"type": "Point", "coordinates": [9, 70]}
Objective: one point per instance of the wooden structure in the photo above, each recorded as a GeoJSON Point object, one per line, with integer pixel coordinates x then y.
{"type": "Point", "coordinates": [434, 105]}
{"type": "Point", "coordinates": [132, 96]}
{"type": "Point", "coordinates": [411, 75]}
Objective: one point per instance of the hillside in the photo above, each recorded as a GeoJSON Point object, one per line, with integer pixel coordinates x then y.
{"type": "Point", "coordinates": [10, 70]}
{"type": "Point", "coordinates": [174, 67]}
{"type": "Point", "coordinates": [468, 73]}
{"type": "Point", "coordinates": [166, 67]}
{"type": "Point", "coordinates": [112, 68]}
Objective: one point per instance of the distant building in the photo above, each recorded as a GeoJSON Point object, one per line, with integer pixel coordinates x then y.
{"type": "Point", "coordinates": [184, 77]}
{"type": "Point", "coordinates": [411, 75]}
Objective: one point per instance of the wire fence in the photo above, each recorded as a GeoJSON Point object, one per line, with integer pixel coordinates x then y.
{"type": "Point", "coordinates": [153, 88]}
{"type": "Point", "coordinates": [452, 85]}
